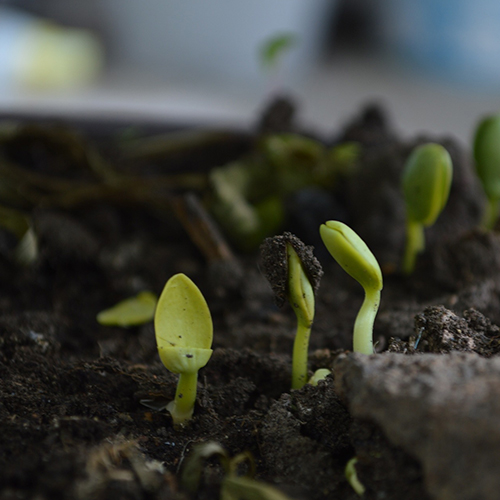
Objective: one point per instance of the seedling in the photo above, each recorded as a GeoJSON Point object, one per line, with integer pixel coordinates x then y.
{"type": "Point", "coordinates": [351, 252]}
{"type": "Point", "coordinates": [21, 226]}
{"type": "Point", "coordinates": [184, 331]}
{"type": "Point", "coordinates": [487, 157]}
{"type": "Point", "coordinates": [352, 477]}
{"type": "Point", "coordinates": [234, 486]}
{"type": "Point", "coordinates": [318, 375]}
{"type": "Point", "coordinates": [426, 187]}
{"type": "Point", "coordinates": [130, 312]}
{"type": "Point", "coordinates": [294, 274]}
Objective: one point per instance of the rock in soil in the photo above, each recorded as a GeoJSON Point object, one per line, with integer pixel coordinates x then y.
{"type": "Point", "coordinates": [442, 410]}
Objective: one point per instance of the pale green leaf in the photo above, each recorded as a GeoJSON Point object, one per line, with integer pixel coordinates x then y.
{"type": "Point", "coordinates": [130, 312]}
{"type": "Point", "coordinates": [352, 253]}
{"type": "Point", "coordinates": [182, 317]}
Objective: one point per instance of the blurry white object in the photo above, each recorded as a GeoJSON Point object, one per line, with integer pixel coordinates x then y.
{"type": "Point", "coordinates": [38, 54]}
{"type": "Point", "coordinates": [457, 39]}
{"type": "Point", "coordinates": [214, 41]}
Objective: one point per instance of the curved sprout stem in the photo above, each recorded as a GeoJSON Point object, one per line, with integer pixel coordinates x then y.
{"type": "Point", "coordinates": [490, 215]}
{"type": "Point", "coordinates": [415, 243]}
{"type": "Point", "coordinates": [300, 349]}
{"type": "Point", "coordinates": [182, 407]}
{"type": "Point", "coordinates": [363, 327]}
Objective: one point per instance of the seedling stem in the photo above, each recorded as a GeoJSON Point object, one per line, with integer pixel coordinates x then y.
{"type": "Point", "coordinates": [415, 243]}
{"type": "Point", "coordinates": [181, 408]}
{"type": "Point", "coordinates": [363, 326]}
{"type": "Point", "coordinates": [302, 300]}
{"type": "Point", "coordinates": [490, 215]}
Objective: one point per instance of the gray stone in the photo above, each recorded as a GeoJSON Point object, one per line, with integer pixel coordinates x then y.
{"type": "Point", "coordinates": [444, 410]}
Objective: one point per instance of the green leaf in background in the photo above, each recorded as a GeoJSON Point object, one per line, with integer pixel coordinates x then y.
{"type": "Point", "coordinates": [130, 312]}
{"type": "Point", "coordinates": [272, 50]}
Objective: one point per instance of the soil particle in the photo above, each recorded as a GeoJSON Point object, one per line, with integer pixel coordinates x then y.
{"type": "Point", "coordinates": [470, 258]}
{"type": "Point", "coordinates": [439, 330]}
{"type": "Point", "coordinates": [442, 410]}
{"type": "Point", "coordinates": [301, 450]}
{"type": "Point", "coordinates": [274, 264]}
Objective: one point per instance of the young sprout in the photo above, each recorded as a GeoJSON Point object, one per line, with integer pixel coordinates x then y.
{"type": "Point", "coordinates": [184, 331]}
{"type": "Point", "coordinates": [487, 158]}
{"type": "Point", "coordinates": [318, 375]}
{"type": "Point", "coordinates": [352, 476]}
{"type": "Point", "coordinates": [426, 186]}
{"type": "Point", "coordinates": [351, 252]}
{"type": "Point", "coordinates": [294, 274]}
{"type": "Point", "coordinates": [233, 486]}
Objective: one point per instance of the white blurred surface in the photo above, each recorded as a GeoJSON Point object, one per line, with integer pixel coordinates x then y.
{"type": "Point", "coordinates": [332, 94]}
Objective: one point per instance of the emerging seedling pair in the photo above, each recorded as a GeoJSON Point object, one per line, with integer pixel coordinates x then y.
{"type": "Point", "coordinates": [294, 274]}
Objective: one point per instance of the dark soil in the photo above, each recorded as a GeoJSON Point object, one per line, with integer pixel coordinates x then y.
{"type": "Point", "coordinates": [71, 422]}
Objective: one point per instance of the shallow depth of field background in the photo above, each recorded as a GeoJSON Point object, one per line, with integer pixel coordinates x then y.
{"type": "Point", "coordinates": [435, 64]}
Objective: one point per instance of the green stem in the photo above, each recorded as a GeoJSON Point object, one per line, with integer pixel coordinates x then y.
{"type": "Point", "coordinates": [363, 327]}
{"type": "Point", "coordinates": [181, 408]}
{"type": "Point", "coordinates": [300, 350]}
{"type": "Point", "coordinates": [415, 243]}
{"type": "Point", "coordinates": [490, 215]}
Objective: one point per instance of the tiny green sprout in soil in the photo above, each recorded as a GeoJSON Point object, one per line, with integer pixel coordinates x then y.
{"type": "Point", "coordinates": [234, 485]}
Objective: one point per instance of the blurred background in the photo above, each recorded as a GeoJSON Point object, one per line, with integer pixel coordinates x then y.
{"type": "Point", "coordinates": [434, 64]}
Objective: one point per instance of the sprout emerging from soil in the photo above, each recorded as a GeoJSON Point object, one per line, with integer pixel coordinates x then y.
{"type": "Point", "coordinates": [294, 274]}
{"type": "Point", "coordinates": [487, 157]}
{"type": "Point", "coordinates": [234, 486]}
{"type": "Point", "coordinates": [318, 375]}
{"type": "Point", "coordinates": [184, 332]}
{"type": "Point", "coordinates": [426, 187]}
{"type": "Point", "coordinates": [351, 252]}
{"type": "Point", "coordinates": [352, 477]}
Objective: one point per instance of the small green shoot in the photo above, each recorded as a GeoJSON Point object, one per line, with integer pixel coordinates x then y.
{"type": "Point", "coordinates": [352, 477]}
{"type": "Point", "coordinates": [301, 297]}
{"type": "Point", "coordinates": [351, 252]}
{"type": "Point", "coordinates": [234, 486]}
{"type": "Point", "coordinates": [487, 158]}
{"type": "Point", "coordinates": [130, 312]}
{"type": "Point", "coordinates": [273, 49]}
{"type": "Point", "coordinates": [426, 186]}
{"type": "Point", "coordinates": [20, 225]}
{"type": "Point", "coordinates": [318, 375]}
{"type": "Point", "coordinates": [184, 332]}
{"type": "Point", "coordinates": [294, 274]}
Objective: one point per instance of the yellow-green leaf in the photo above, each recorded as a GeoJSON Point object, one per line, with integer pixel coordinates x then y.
{"type": "Point", "coordinates": [130, 312]}
{"type": "Point", "coordinates": [352, 253]}
{"type": "Point", "coordinates": [182, 317]}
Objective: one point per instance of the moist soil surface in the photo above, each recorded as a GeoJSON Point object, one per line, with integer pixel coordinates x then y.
{"type": "Point", "coordinates": [72, 424]}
